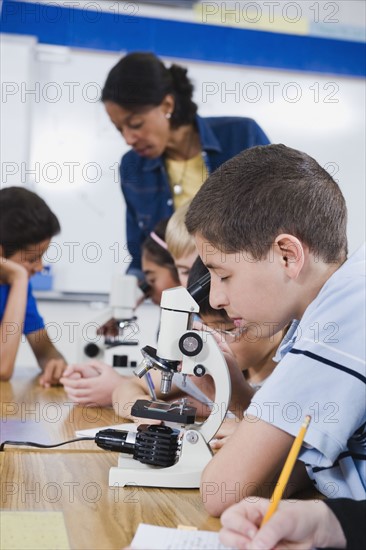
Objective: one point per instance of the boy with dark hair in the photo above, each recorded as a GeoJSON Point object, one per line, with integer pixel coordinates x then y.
{"type": "Point", "coordinates": [26, 228]}
{"type": "Point", "coordinates": [270, 225]}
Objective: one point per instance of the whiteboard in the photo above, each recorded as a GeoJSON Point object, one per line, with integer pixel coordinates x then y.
{"type": "Point", "coordinates": [77, 151]}
{"type": "Point", "coordinates": [15, 113]}
{"type": "Point", "coordinates": [74, 150]}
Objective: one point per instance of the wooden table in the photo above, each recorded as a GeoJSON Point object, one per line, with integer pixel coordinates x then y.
{"type": "Point", "coordinates": [74, 479]}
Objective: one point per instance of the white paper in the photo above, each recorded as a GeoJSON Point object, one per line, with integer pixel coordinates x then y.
{"type": "Point", "coordinates": [154, 537]}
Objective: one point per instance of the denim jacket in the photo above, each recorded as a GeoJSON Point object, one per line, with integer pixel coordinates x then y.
{"type": "Point", "coordinates": [145, 184]}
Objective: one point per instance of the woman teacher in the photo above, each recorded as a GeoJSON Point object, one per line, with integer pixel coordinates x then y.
{"type": "Point", "coordinates": [172, 148]}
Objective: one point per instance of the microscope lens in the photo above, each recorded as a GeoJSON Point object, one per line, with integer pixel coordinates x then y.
{"type": "Point", "coordinates": [166, 382]}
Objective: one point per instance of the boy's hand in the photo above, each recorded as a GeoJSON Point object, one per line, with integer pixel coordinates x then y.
{"type": "Point", "coordinates": [11, 271]}
{"type": "Point", "coordinates": [91, 390]}
{"type": "Point", "coordinates": [295, 525]}
{"type": "Point", "coordinates": [52, 372]}
{"type": "Point", "coordinates": [82, 370]}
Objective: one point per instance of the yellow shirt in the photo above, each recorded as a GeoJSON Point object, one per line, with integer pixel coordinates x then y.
{"type": "Point", "coordinates": [185, 178]}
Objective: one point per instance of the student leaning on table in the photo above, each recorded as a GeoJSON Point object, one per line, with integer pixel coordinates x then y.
{"type": "Point", "coordinates": [172, 148]}
{"type": "Point", "coordinates": [270, 225]}
{"type": "Point", "coordinates": [26, 228]}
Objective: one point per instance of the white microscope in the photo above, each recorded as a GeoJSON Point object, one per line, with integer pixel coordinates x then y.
{"type": "Point", "coordinates": [120, 347]}
{"type": "Point", "coordinates": [160, 456]}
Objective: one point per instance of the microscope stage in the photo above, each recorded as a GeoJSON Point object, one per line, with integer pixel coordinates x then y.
{"type": "Point", "coordinates": [167, 412]}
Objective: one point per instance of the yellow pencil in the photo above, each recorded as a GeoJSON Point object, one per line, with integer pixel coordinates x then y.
{"type": "Point", "coordinates": [286, 472]}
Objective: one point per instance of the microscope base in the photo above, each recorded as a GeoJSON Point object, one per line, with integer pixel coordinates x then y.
{"type": "Point", "coordinates": [186, 473]}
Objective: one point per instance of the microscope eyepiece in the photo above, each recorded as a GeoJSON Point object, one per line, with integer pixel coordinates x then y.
{"type": "Point", "coordinates": [145, 287]}
{"type": "Point", "coordinates": [200, 289]}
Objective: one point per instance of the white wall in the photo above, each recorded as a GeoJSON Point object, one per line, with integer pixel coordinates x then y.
{"type": "Point", "coordinates": [319, 114]}
{"type": "Point", "coordinates": [322, 115]}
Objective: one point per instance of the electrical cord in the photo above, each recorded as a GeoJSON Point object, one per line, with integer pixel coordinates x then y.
{"type": "Point", "coordinates": [156, 444]}
{"type": "Point", "coordinates": [41, 446]}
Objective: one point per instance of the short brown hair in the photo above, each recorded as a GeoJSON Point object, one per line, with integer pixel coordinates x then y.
{"type": "Point", "coordinates": [265, 191]}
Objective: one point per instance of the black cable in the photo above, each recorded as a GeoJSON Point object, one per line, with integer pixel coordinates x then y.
{"type": "Point", "coordinates": [165, 443]}
{"type": "Point", "coordinates": [40, 445]}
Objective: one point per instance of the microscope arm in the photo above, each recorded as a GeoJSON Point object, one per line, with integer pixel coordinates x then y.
{"type": "Point", "coordinates": [213, 362]}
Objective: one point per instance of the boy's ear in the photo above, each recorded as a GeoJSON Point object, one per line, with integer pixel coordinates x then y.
{"type": "Point", "coordinates": [292, 252]}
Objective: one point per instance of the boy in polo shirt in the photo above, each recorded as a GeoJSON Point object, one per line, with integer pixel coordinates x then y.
{"type": "Point", "coordinates": [270, 225]}
{"type": "Point", "coordinates": [26, 228]}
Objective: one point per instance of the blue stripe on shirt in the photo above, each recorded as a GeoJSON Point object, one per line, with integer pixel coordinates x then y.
{"type": "Point", "coordinates": [328, 362]}
{"type": "Point", "coordinates": [354, 456]}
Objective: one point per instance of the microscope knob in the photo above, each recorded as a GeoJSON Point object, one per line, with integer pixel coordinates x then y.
{"type": "Point", "coordinates": [199, 370]}
{"type": "Point", "coordinates": [91, 350]}
{"type": "Point", "coordinates": [190, 344]}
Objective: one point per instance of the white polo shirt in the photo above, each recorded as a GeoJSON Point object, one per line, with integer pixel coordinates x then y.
{"type": "Point", "coordinates": [321, 372]}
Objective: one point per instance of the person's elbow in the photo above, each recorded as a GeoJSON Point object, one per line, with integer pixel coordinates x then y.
{"type": "Point", "coordinates": [6, 371]}
{"type": "Point", "coordinates": [219, 490]}
{"type": "Point", "coordinates": [122, 410]}
{"type": "Point", "coordinates": [121, 402]}
{"type": "Point", "coordinates": [211, 498]}
{"type": "Point", "coordinates": [7, 362]}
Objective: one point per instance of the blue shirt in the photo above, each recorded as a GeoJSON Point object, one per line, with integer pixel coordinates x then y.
{"type": "Point", "coordinates": [145, 184]}
{"type": "Point", "coordinates": [321, 372]}
{"type": "Point", "coordinates": [32, 320]}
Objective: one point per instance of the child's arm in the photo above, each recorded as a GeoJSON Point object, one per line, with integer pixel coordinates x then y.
{"type": "Point", "coordinates": [16, 276]}
{"type": "Point", "coordinates": [248, 464]}
{"type": "Point", "coordinates": [241, 391]}
{"type": "Point", "coordinates": [49, 358]}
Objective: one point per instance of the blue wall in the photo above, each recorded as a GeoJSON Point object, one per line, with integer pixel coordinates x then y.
{"type": "Point", "coordinates": [81, 28]}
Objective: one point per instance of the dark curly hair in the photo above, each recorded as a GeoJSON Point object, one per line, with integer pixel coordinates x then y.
{"type": "Point", "coordinates": [140, 79]}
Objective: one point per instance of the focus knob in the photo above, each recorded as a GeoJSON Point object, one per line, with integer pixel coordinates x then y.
{"type": "Point", "coordinates": [199, 370]}
{"type": "Point", "coordinates": [190, 344]}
